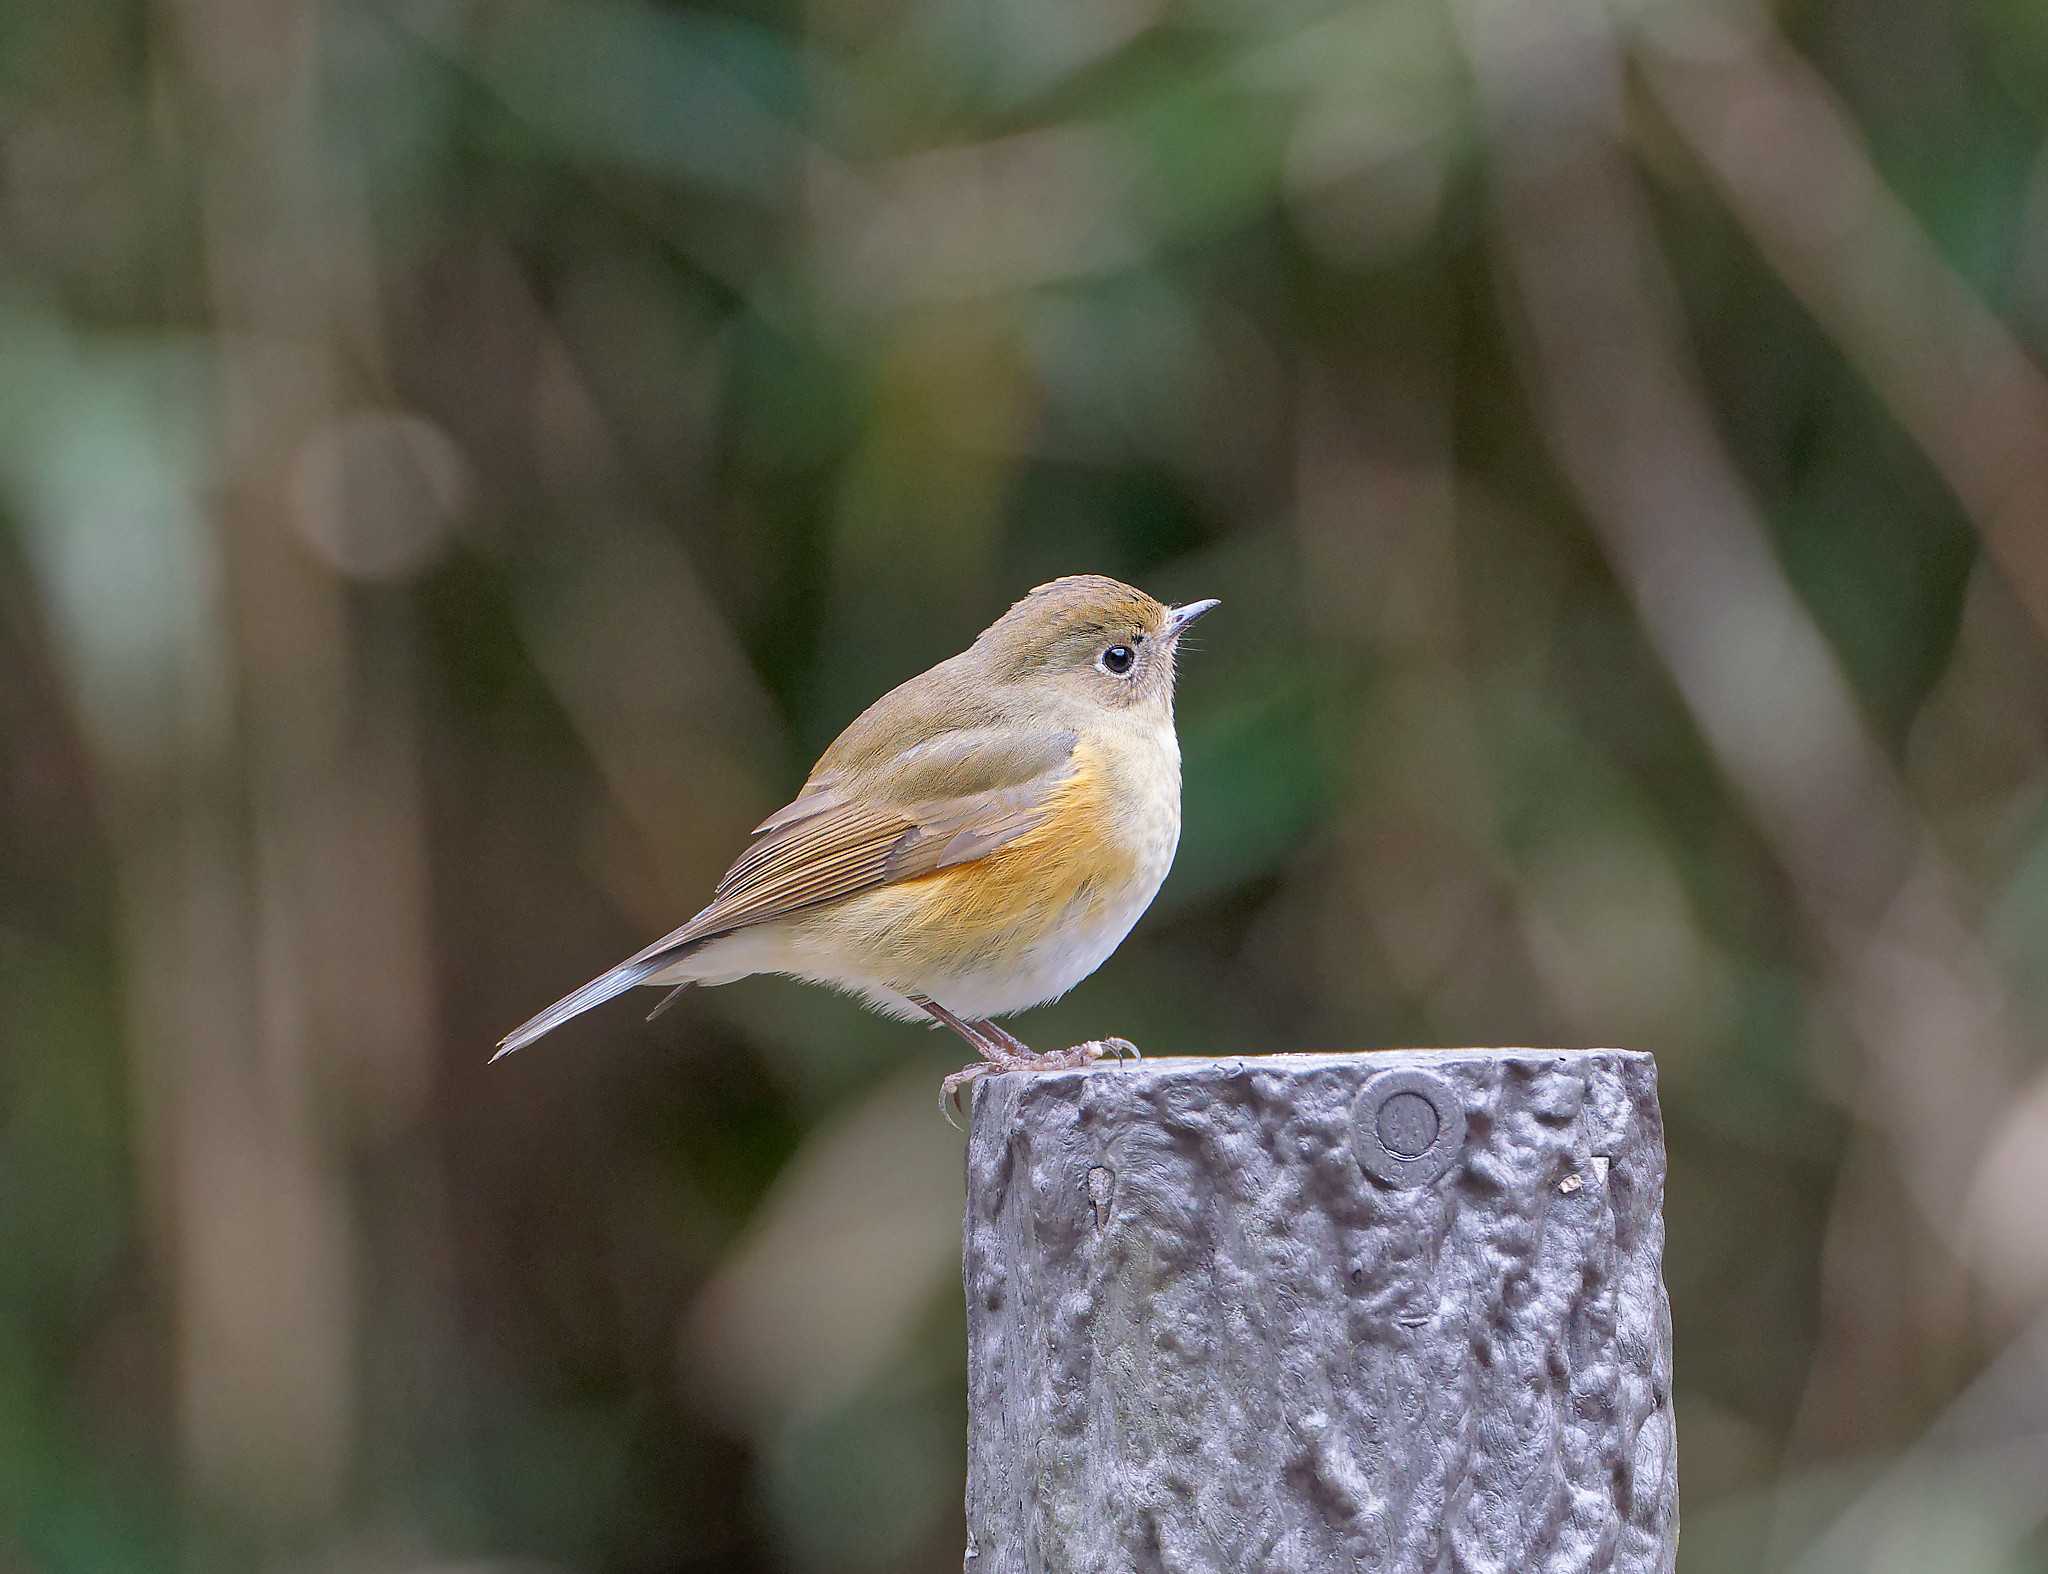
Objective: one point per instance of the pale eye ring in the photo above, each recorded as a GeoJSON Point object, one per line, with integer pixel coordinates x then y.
{"type": "Point", "coordinates": [1118, 660]}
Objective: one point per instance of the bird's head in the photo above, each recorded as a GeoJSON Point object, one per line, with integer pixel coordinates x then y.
{"type": "Point", "coordinates": [1093, 639]}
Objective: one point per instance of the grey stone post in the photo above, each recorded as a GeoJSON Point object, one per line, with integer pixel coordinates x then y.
{"type": "Point", "coordinates": [1398, 1312]}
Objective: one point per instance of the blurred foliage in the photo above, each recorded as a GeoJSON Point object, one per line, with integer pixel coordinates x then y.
{"type": "Point", "coordinates": [461, 459]}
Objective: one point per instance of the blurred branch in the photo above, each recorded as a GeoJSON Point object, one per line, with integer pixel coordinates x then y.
{"type": "Point", "coordinates": [1632, 430]}
{"type": "Point", "coordinates": [833, 1277]}
{"type": "Point", "coordinates": [613, 92]}
{"type": "Point", "coordinates": [636, 648]}
{"type": "Point", "coordinates": [1796, 176]}
{"type": "Point", "coordinates": [228, 868]}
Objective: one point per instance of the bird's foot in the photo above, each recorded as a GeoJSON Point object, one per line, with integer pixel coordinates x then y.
{"type": "Point", "coordinates": [1087, 1054]}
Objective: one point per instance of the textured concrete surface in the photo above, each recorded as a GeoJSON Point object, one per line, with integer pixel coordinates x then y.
{"type": "Point", "coordinates": [1206, 1332]}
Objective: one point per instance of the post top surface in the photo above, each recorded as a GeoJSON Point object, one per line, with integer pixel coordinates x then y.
{"type": "Point", "coordinates": [1297, 1062]}
{"type": "Point", "coordinates": [1352, 1065]}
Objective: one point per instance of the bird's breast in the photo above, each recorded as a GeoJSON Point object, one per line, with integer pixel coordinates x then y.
{"type": "Point", "coordinates": [1106, 838]}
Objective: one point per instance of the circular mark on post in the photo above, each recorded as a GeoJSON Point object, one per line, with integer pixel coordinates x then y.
{"type": "Point", "coordinates": [1407, 1127]}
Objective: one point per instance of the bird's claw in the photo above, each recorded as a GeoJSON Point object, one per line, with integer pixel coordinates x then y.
{"type": "Point", "coordinates": [1074, 1059]}
{"type": "Point", "coordinates": [949, 1089]}
{"type": "Point", "coordinates": [1113, 1047]}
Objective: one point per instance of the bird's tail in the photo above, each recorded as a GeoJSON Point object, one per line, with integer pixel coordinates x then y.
{"type": "Point", "coordinates": [605, 986]}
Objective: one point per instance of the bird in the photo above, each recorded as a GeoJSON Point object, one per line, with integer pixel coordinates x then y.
{"type": "Point", "coordinates": [977, 842]}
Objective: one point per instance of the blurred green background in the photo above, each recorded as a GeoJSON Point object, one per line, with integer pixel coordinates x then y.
{"type": "Point", "coordinates": [461, 459]}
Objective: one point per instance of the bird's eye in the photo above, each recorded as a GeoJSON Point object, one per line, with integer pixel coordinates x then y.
{"type": "Point", "coordinates": [1118, 659]}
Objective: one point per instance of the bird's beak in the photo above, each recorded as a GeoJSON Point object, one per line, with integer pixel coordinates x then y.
{"type": "Point", "coordinates": [1179, 618]}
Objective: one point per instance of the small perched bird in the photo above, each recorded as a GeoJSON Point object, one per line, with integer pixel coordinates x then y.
{"type": "Point", "coordinates": [976, 843]}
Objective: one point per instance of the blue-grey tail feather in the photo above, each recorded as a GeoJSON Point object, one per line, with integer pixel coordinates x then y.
{"type": "Point", "coordinates": [604, 987]}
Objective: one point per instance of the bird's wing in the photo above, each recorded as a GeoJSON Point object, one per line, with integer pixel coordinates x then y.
{"type": "Point", "coordinates": [947, 801]}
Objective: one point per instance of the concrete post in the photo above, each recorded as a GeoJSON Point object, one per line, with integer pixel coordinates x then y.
{"type": "Point", "coordinates": [1398, 1312]}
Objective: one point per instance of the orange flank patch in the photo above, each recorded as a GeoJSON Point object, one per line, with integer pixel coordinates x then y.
{"type": "Point", "coordinates": [1046, 870]}
{"type": "Point", "coordinates": [1054, 874]}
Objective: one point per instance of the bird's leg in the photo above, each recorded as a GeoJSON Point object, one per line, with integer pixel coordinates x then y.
{"type": "Point", "coordinates": [1013, 1054]}
{"type": "Point", "coordinates": [1059, 1059]}
{"type": "Point", "coordinates": [1080, 1055]}
{"type": "Point", "coordinates": [1001, 1036]}
{"type": "Point", "coordinates": [989, 1045]}
{"type": "Point", "coordinates": [1002, 1050]}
